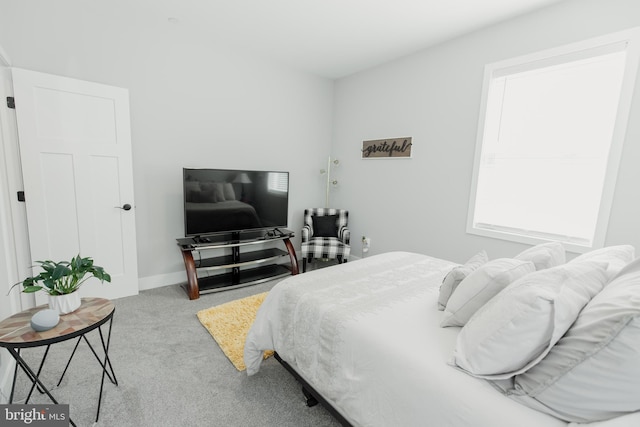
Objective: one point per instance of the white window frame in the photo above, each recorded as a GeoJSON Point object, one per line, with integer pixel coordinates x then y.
{"type": "Point", "coordinates": [631, 38]}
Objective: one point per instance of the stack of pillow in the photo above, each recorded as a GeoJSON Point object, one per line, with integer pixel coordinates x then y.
{"type": "Point", "coordinates": [561, 337]}
{"type": "Point", "coordinates": [209, 192]}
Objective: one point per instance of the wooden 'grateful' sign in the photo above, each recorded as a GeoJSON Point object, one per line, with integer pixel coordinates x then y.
{"type": "Point", "coordinates": [387, 148]}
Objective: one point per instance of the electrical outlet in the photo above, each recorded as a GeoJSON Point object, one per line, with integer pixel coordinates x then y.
{"type": "Point", "coordinates": [366, 244]}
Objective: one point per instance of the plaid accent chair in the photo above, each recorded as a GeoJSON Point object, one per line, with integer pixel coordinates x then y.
{"type": "Point", "coordinates": [325, 235]}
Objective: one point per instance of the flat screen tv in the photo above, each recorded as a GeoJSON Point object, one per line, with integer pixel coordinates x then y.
{"type": "Point", "coordinates": [220, 201]}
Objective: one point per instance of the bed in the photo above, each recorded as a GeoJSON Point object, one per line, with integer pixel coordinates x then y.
{"type": "Point", "coordinates": [215, 206]}
{"type": "Point", "coordinates": [226, 215]}
{"type": "Point", "coordinates": [366, 339]}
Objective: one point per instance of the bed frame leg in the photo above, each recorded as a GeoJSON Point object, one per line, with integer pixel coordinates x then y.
{"type": "Point", "coordinates": [311, 401]}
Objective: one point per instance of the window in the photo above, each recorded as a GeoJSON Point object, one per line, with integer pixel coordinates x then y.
{"type": "Point", "coordinates": [278, 182]}
{"type": "Point", "coordinates": [549, 142]}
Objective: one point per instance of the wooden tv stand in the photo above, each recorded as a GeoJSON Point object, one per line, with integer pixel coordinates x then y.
{"type": "Point", "coordinates": [243, 268]}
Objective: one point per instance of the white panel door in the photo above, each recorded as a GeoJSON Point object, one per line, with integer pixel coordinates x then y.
{"type": "Point", "coordinates": [75, 148]}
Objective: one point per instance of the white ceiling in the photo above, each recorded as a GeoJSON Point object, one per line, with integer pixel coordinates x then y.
{"type": "Point", "coordinates": [331, 38]}
{"type": "Point", "coordinates": [334, 38]}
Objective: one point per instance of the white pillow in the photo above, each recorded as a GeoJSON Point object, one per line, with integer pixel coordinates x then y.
{"type": "Point", "coordinates": [218, 190]}
{"type": "Point", "coordinates": [593, 372]}
{"type": "Point", "coordinates": [228, 191]}
{"type": "Point", "coordinates": [480, 286]}
{"type": "Point", "coordinates": [544, 255]}
{"type": "Point", "coordinates": [455, 276]}
{"type": "Point", "coordinates": [214, 190]}
{"type": "Point", "coordinates": [616, 256]}
{"type": "Point", "coordinates": [518, 327]}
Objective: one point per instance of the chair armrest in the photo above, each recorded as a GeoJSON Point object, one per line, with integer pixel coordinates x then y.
{"type": "Point", "coordinates": [344, 235]}
{"type": "Point", "coordinates": [306, 233]}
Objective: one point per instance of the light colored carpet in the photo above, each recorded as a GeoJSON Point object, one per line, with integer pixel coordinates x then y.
{"type": "Point", "coordinates": [170, 372]}
{"type": "Point", "coordinates": [229, 324]}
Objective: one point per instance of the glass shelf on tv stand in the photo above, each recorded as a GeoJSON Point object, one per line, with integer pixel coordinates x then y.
{"type": "Point", "coordinates": [246, 267]}
{"type": "Point", "coordinates": [235, 239]}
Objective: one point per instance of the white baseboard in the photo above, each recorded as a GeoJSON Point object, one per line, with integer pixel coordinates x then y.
{"type": "Point", "coordinates": [160, 280]}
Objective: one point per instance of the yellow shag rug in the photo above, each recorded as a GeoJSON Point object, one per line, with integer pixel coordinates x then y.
{"type": "Point", "coordinates": [229, 325]}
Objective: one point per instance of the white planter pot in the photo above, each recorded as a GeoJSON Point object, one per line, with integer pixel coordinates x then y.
{"type": "Point", "coordinates": [64, 304]}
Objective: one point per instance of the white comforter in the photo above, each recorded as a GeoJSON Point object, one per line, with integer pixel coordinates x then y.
{"type": "Point", "coordinates": [366, 335]}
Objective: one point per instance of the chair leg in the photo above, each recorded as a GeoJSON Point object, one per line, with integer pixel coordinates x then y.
{"type": "Point", "coordinates": [304, 265]}
{"type": "Point", "coordinates": [339, 257]}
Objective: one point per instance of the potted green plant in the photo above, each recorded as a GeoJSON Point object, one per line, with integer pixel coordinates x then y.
{"type": "Point", "coordinates": [62, 279]}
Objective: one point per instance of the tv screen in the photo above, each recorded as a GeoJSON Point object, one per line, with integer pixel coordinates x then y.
{"type": "Point", "coordinates": [224, 201]}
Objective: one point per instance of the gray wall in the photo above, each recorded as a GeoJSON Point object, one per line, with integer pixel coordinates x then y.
{"type": "Point", "coordinates": [420, 204]}
{"type": "Point", "coordinates": [206, 106]}
{"type": "Point", "coordinates": [192, 105]}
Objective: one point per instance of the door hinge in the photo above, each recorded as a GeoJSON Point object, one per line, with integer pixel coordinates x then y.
{"type": "Point", "coordinates": [21, 196]}
{"type": "Point", "coordinates": [11, 102]}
